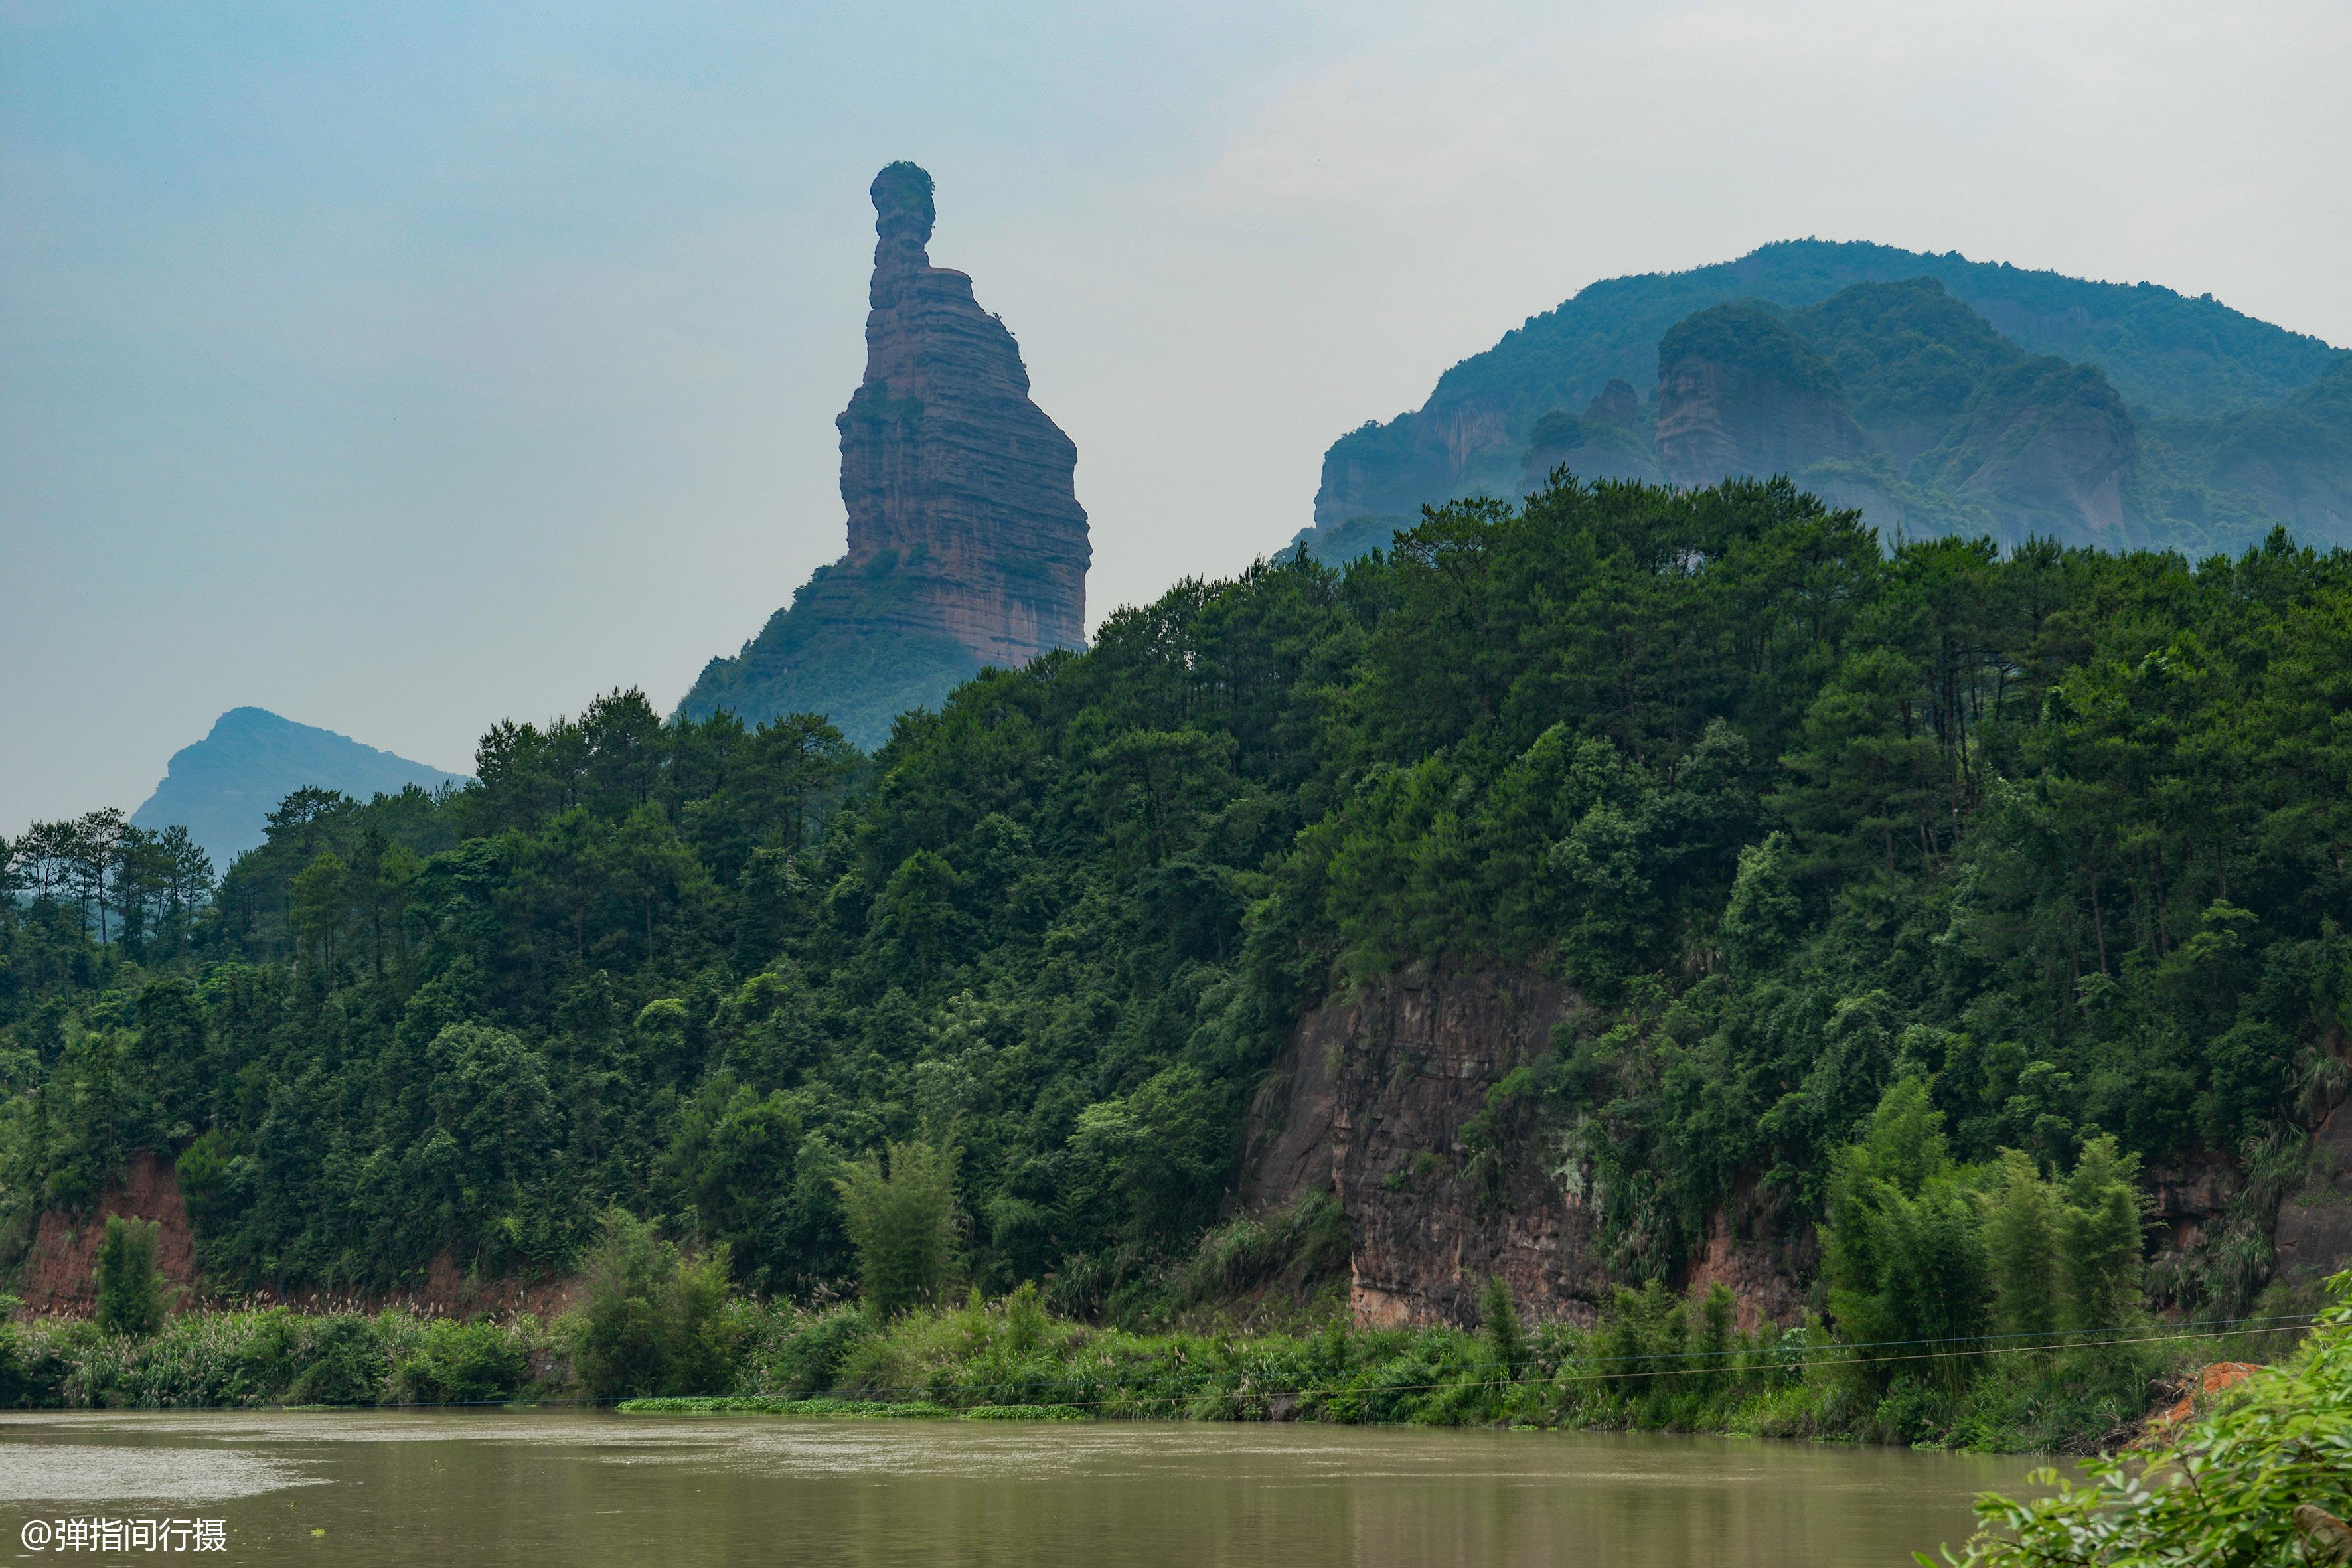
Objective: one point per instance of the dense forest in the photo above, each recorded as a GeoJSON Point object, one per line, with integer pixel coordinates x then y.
{"type": "Point", "coordinates": [2043, 851]}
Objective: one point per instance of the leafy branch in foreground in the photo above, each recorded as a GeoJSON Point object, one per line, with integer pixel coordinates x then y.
{"type": "Point", "coordinates": [2267, 1479]}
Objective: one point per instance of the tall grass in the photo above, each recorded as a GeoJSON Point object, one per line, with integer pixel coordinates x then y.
{"type": "Point", "coordinates": [276, 1357]}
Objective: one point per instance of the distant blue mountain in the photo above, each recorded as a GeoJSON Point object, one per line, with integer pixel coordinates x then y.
{"type": "Point", "coordinates": [1937, 395]}
{"type": "Point", "coordinates": [223, 788]}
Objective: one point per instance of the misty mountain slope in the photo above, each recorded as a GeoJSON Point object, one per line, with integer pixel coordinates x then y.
{"type": "Point", "coordinates": [223, 788]}
{"type": "Point", "coordinates": [2291, 459]}
{"type": "Point", "coordinates": [1908, 357]}
{"type": "Point", "coordinates": [851, 646]}
{"type": "Point", "coordinates": [1910, 348]}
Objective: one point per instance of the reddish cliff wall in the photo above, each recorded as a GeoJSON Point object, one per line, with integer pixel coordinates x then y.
{"type": "Point", "coordinates": [946, 464]}
{"type": "Point", "coordinates": [1428, 1220]}
{"type": "Point", "coordinates": [1374, 1102]}
{"type": "Point", "coordinates": [967, 544]}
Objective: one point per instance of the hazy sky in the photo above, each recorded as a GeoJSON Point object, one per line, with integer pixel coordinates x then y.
{"type": "Point", "coordinates": [399, 368]}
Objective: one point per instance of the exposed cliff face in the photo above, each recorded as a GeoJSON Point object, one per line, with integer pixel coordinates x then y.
{"type": "Point", "coordinates": [2047, 443]}
{"type": "Point", "coordinates": [1409, 1062]}
{"type": "Point", "coordinates": [947, 465]}
{"type": "Point", "coordinates": [1612, 440]}
{"type": "Point", "coordinates": [967, 543]}
{"type": "Point", "coordinates": [1740, 393]}
{"type": "Point", "coordinates": [2314, 1233]}
{"type": "Point", "coordinates": [60, 1269]}
{"type": "Point", "coordinates": [1387, 1098]}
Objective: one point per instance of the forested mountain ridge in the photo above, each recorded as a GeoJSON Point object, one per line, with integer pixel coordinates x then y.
{"type": "Point", "coordinates": [2056, 837]}
{"type": "Point", "coordinates": [2168, 360]}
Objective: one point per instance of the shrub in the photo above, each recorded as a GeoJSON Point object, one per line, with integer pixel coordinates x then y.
{"type": "Point", "coordinates": [1025, 1322]}
{"type": "Point", "coordinates": [902, 1220]}
{"type": "Point", "coordinates": [24, 1381]}
{"type": "Point", "coordinates": [1293, 1248]}
{"type": "Point", "coordinates": [656, 1321]}
{"type": "Point", "coordinates": [812, 1356]}
{"type": "Point", "coordinates": [463, 1364]}
{"type": "Point", "coordinates": [342, 1360]}
{"type": "Point", "coordinates": [267, 1361]}
{"type": "Point", "coordinates": [131, 1292]}
{"type": "Point", "coordinates": [1500, 1322]}
{"type": "Point", "coordinates": [2261, 1481]}
{"type": "Point", "coordinates": [1641, 1334]}
{"type": "Point", "coordinates": [1904, 1250]}
{"type": "Point", "coordinates": [2021, 1241]}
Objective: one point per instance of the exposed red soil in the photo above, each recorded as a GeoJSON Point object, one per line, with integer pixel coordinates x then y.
{"type": "Point", "coordinates": [2220, 1376]}
{"type": "Point", "coordinates": [59, 1270]}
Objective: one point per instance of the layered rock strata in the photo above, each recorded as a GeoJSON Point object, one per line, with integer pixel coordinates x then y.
{"type": "Point", "coordinates": [945, 462]}
{"type": "Point", "coordinates": [967, 543]}
{"type": "Point", "coordinates": [1382, 1087]}
{"type": "Point", "coordinates": [1386, 1098]}
{"type": "Point", "coordinates": [2046, 443]}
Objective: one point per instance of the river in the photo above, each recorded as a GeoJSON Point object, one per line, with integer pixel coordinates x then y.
{"type": "Point", "coordinates": [593, 1487]}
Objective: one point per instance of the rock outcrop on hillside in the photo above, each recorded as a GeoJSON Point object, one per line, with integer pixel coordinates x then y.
{"type": "Point", "coordinates": [947, 465]}
{"type": "Point", "coordinates": [2313, 1231]}
{"type": "Point", "coordinates": [1386, 1098]}
{"type": "Point", "coordinates": [2046, 445]}
{"type": "Point", "coordinates": [60, 1273]}
{"type": "Point", "coordinates": [1612, 440]}
{"type": "Point", "coordinates": [967, 543]}
{"type": "Point", "coordinates": [1391, 1097]}
{"type": "Point", "coordinates": [1740, 393]}
{"type": "Point", "coordinates": [60, 1269]}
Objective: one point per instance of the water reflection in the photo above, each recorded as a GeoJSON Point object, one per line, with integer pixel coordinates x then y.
{"type": "Point", "coordinates": [598, 1489]}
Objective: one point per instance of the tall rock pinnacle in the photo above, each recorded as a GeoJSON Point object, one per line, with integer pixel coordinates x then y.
{"type": "Point", "coordinates": [947, 464]}
{"type": "Point", "coordinates": [967, 544]}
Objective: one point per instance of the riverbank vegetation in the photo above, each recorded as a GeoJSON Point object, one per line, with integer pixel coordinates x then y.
{"type": "Point", "coordinates": [2266, 1480]}
{"type": "Point", "coordinates": [1652, 1361]}
{"type": "Point", "coordinates": [2055, 839]}
{"type": "Point", "coordinates": [658, 1331]}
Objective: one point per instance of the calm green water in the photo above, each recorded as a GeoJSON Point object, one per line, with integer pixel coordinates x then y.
{"type": "Point", "coordinates": [600, 1489]}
